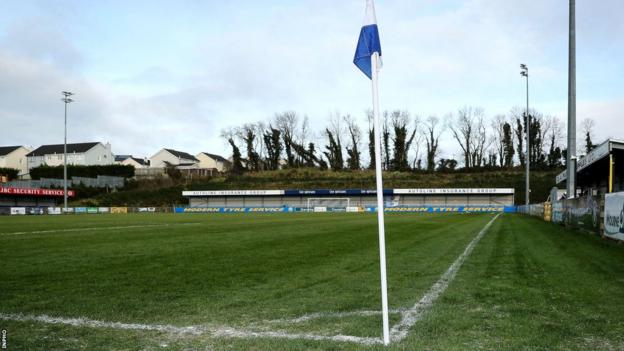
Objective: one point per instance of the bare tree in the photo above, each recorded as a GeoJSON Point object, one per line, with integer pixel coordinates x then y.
{"type": "Point", "coordinates": [462, 130]}
{"type": "Point", "coordinates": [228, 133]}
{"type": "Point", "coordinates": [286, 122]}
{"type": "Point", "coordinates": [336, 125]}
{"type": "Point", "coordinates": [469, 131]}
{"type": "Point", "coordinates": [303, 133]}
{"type": "Point", "coordinates": [353, 160]}
{"type": "Point", "coordinates": [261, 129]}
{"type": "Point", "coordinates": [480, 141]}
{"type": "Point", "coordinates": [371, 139]}
{"type": "Point", "coordinates": [498, 137]}
{"type": "Point", "coordinates": [557, 129]}
{"type": "Point", "coordinates": [417, 140]}
{"type": "Point", "coordinates": [334, 148]}
{"type": "Point", "coordinates": [385, 141]}
{"type": "Point", "coordinates": [432, 137]}
{"type": "Point", "coordinates": [401, 140]}
{"type": "Point", "coordinates": [588, 125]}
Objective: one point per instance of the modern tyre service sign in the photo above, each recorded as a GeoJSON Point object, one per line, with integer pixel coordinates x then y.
{"type": "Point", "coordinates": [614, 215]}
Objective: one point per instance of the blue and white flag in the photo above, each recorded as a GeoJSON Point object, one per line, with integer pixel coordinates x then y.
{"type": "Point", "coordinates": [369, 41]}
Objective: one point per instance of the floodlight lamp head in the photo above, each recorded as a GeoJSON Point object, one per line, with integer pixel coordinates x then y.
{"type": "Point", "coordinates": [67, 93]}
{"type": "Point", "coordinates": [523, 66]}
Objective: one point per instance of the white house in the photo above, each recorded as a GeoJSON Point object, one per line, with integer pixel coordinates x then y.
{"type": "Point", "coordinates": [14, 157]}
{"type": "Point", "coordinates": [120, 158]}
{"type": "Point", "coordinates": [212, 161]}
{"type": "Point", "coordinates": [129, 160]}
{"type": "Point", "coordinates": [168, 157]}
{"type": "Point", "coordinates": [136, 162]}
{"type": "Point", "coordinates": [82, 154]}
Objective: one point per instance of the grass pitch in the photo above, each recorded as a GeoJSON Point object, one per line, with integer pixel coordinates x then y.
{"type": "Point", "coordinates": [527, 284]}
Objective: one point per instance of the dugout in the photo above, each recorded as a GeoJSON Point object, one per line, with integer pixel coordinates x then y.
{"type": "Point", "coordinates": [599, 172]}
{"type": "Point", "coordinates": [31, 197]}
{"type": "Point", "coordinates": [351, 197]}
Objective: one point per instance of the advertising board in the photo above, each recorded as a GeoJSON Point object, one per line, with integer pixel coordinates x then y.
{"type": "Point", "coordinates": [18, 211]}
{"type": "Point", "coordinates": [231, 209]}
{"type": "Point", "coordinates": [614, 216]}
{"type": "Point", "coordinates": [54, 210]}
{"type": "Point", "coordinates": [348, 192]}
{"type": "Point", "coordinates": [34, 192]}
{"type": "Point", "coordinates": [119, 210]}
{"type": "Point", "coordinates": [447, 209]}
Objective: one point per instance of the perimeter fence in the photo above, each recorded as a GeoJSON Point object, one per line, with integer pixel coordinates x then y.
{"type": "Point", "coordinates": [586, 212]}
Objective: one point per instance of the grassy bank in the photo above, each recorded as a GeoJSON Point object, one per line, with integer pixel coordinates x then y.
{"type": "Point", "coordinates": [168, 192]}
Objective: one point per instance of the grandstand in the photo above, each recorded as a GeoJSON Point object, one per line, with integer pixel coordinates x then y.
{"type": "Point", "coordinates": [304, 199]}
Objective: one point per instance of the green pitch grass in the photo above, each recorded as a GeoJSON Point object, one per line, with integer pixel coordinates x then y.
{"type": "Point", "coordinates": [527, 284]}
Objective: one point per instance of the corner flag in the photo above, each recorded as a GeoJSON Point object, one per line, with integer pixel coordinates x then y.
{"type": "Point", "coordinates": [368, 60]}
{"type": "Point", "coordinates": [369, 41]}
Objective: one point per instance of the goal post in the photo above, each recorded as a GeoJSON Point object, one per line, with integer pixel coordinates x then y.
{"type": "Point", "coordinates": [327, 203]}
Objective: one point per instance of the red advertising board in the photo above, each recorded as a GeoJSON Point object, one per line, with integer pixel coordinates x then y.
{"type": "Point", "coordinates": [34, 192]}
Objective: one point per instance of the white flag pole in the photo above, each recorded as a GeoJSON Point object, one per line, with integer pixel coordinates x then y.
{"type": "Point", "coordinates": [380, 201]}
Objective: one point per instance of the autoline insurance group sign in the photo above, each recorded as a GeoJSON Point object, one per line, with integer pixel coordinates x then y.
{"type": "Point", "coordinates": [614, 215]}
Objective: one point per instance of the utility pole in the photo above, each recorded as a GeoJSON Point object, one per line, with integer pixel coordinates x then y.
{"type": "Point", "coordinates": [571, 153]}
{"type": "Point", "coordinates": [525, 73]}
{"type": "Point", "coordinates": [67, 100]}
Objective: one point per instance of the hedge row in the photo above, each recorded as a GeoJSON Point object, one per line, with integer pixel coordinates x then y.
{"type": "Point", "coordinates": [82, 171]}
{"type": "Point", "coordinates": [11, 173]}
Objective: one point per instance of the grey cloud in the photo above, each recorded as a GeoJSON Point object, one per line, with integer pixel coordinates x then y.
{"type": "Point", "coordinates": [41, 39]}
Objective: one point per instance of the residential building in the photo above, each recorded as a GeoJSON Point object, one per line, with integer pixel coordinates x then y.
{"type": "Point", "coordinates": [136, 162]}
{"type": "Point", "coordinates": [129, 160]}
{"type": "Point", "coordinates": [14, 157]}
{"type": "Point", "coordinates": [212, 161]}
{"type": "Point", "coordinates": [120, 158]}
{"type": "Point", "coordinates": [82, 154]}
{"type": "Point", "coordinates": [169, 157]}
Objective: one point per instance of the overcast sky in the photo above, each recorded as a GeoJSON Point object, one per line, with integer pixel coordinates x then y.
{"type": "Point", "coordinates": [153, 74]}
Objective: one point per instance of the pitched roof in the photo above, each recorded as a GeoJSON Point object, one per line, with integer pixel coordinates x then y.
{"type": "Point", "coordinates": [5, 150]}
{"type": "Point", "coordinates": [121, 158]}
{"type": "Point", "coordinates": [216, 157]}
{"type": "Point", "coordinates": [141, 161]}
{"type": "Point", "coordinates": [181, 154]}
{"type": "Point", "coordinates": [58, 149]}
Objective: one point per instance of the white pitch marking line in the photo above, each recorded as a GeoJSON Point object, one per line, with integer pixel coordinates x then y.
{"type": "Point", "coordinates": [91, 323]}
{"type": "Point", "coordinates": [319, 315]}
{"type": "Point", "coordinates": [96, 228]}
{"type": "Point", "coordinates": [215, 331]}
{"type": "Point", "coordinates": [412, 315]}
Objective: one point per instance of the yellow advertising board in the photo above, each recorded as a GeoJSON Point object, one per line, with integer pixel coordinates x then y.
{"type": "Point", "coordinates": [118, 210]}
